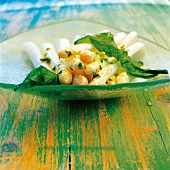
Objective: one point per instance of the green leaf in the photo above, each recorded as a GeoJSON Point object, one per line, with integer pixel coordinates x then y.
{"type": "Point", "coordinates": [137, 63]}
{"type": "Point", "coordinates": [85, 39]}
{"type": "Point", "coordinates": [134, 70]}
{"type": "Point", "coordinates": [38, 77]}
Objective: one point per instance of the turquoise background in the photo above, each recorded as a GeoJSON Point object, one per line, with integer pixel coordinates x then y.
{"type": "Point", "coordinates": [19, 16]}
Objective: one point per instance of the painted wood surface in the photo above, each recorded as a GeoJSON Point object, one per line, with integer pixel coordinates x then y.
{"type": "Point", "coordinates": [123, 134]}
{"type": "Point", "coordinates": [34, 132]}
{"type": "Point", "coordinates": [120, 133]}
{"type": "Point", "coordinates": [130, 132]}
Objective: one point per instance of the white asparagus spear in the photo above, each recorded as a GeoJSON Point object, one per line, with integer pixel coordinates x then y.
{"type": "Point", "coordinates": [49, 50]}
{"type": "Point", "coordinates": [76, 38]}
{"type": "Point", "coordinates": [119, 37]}
{"type": "Point", "coordinates": [122, 78]}
{"type": "Point", "coordinates": [35, 55]}
{"type": "Point", "coordinates": [128, 40]}
{"type": "Point", "coordinates": [88, 34]}
{"type": "Point", "coordinates": [47, 46]}
{"type": "Point", "coordinates": [83, 46]}
{"type": "Point", "coordinates": [107, 71]}
{"type": "Point", "coordinates": [61, 43]}
{"type": "Point", "coordinates": [135, 48]}
{"type": "Point", "coordinates": [111, 59]}
{"type": "Point", "coordinates": [104, 31]}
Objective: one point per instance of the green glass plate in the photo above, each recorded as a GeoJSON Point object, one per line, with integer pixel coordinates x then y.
{"type": "Point", "coordinates": [15, 65]}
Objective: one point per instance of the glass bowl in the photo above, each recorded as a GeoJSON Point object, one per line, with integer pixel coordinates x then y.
{"type": "Point", "coordinates": [15, 65]}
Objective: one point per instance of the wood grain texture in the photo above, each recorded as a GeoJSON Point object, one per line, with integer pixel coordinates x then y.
{"type": "Point", "coordinates": [160, 99]}
{"type": "Point", "coordinates": [38, 129]}
{"type": "Point", "coordinates": [122, 134]}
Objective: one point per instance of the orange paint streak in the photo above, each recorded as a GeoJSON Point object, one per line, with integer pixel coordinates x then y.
{"type": "Point", "coordinates": [87, 134]}
{"type": "Point", "coordinates": [29, 158]}
{"type": "Point", "coordinates": [25, 101]}
{"type": "Point", "coordinates": [90, 139]}
{"type": "Point", "coordinates": [166, 104]}
{"type": "Point", "coordinates": [163, 93]}
{"type": "Point", "coordinates": [149, 129]}
{"type": "Point", "coordinates": [134, 131]}
{"type": "Point", "coordinates": [168, 121]}
{"type": "Point", "coordinates": [109, 157]}
{"type": "Point", "coordinates": [3, 105]}
{"type": "Point", "coordinates": [83, 133]}
{"type": "Point", "coordinates": [72, 162]}
{"type": "Point", "coordinates": [50, 136]}
{"type": "Point", "coordinates": [28, 151]}
{"type": "Point", "coordinates": [91, 134]}
{"type": "Point", "coordinates": [113, 160]}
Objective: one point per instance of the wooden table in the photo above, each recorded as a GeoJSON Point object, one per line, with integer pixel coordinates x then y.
{"type": "Point", "coordinates": [127, 133]}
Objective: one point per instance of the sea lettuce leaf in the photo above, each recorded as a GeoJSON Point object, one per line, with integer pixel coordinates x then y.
{"type": "Point", "coordinates": [39, 77]}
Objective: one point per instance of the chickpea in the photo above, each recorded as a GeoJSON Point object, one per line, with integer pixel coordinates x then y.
{"type": "Point", "coordinates": [87, 56]}
{"type": "Point", "coordinates": [79, 80]}
{"type": "Point", "coordinates": [65, 77]}
{"type": "Point", "coordinates": [77, 64]}
{"type": "Point", "coordinates": [125, 75]}
{"type": "Point", "coordinates": [111, 80]}
{"type": "Point", "coordinates": [122, 78]}
{"type": "Point", "coordinates": [67, 52]}
{"type": "Point", "coordinates": [92, 68]}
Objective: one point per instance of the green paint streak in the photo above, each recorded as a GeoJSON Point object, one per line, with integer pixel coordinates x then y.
{"type": "Point", "coordinates": [62, 130]}
{"type": "Point", "coordinates": [57, 118]}
{"type": "Point", "coordinates": [6, 123]}
{"type": "Point", "coordinates": [42, 122]}
{"type": "Point", "coordinates": [86, 112]}
{"type": "Point", "coordinates": [157, 110]}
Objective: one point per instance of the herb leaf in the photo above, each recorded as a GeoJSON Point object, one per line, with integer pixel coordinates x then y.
{"type": "Point", "coordinates": [54, 68]}
{"type": "Point", "coordinates": [46, 59]}
{"type": "Point", "coordinates": [47, 49]}
{"type": "Point", "coordinates": [39, 76]}
{"type": "Point", "coordinates": [96, 75]}
{"type": "Point", "coordinates": [80, 66]}
{"type": "Point", "coordinates": [104, 42]}
{"type": "Point", "coordinates": [69, 53]}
